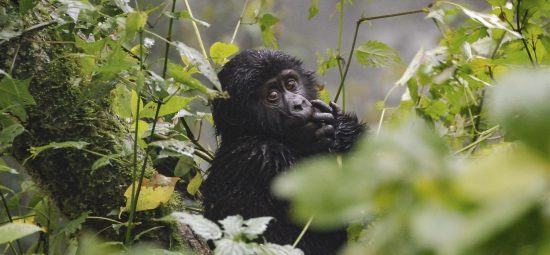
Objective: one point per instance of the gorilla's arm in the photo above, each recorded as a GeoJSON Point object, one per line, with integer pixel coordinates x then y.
{"type": "Point", "coordinates": [239, 182]}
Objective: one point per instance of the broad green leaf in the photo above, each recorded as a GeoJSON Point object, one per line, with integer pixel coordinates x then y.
{"type": "Point", "coordinates": [73, 8]}
{"type": "Point", "coordinates": [266, 21]}
{"type": "Point", "coordinates": [181, 148]}
{"type": "Point", "coordinates": [195, 58]}
{"type": "Point", "coordinates": [173, 105]}
{"type": "Point", "coordinates": [74, 225]}
{"type": "Point", "coordinates": [219, 52]}
{"type": "Point", "coordinates": [183, 76]}
{"type": "Point", "coordinates": [195, 184]}
{"type": "Point", "coordinates": [376, 54]}
{"type": "Point", "coordinates": [135, 100]}
{"type": "Point", "coordinates": [488, 20]}
{"type": "Point", "coordinates": [135, 22]}
{"type": "Point", "coordinates": [121, 101]}
{"type": "Point", "coordinates": [200, 225]}
{"type": "Point", "coordinates": [154, 192]}
{"type": "Point", "coordinates": [184, 165]}
{"type": "Point", "coordinates": [142, 128]}
{"type": "Point", "coordinates": [325, 64]}
{"type": "Point", "coordinates": [9, 133]}
{"type": "Point", "coordinates": [13, 231]}
{"type": "Point", "coordinates": [15, 92]}
{"type": "Point", "coordinates": [313, 8]}
{"type": "Point", "coordinates": [57, 145]}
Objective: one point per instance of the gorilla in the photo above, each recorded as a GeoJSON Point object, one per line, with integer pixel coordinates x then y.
{"type": "Point", "coordinates": [271, 120]}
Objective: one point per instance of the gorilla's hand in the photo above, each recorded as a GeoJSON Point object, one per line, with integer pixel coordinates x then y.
{"type": "Point", "coordinates": [326, 117]}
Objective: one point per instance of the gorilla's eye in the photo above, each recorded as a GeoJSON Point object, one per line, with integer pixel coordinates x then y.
{"type": "Point", "coordinates": [291, 84]}
{"type": "Point", "coordinates": [273, 96]}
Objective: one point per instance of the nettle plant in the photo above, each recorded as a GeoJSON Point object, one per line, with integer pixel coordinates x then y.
{"type": "Point", "coordinates": [237, 236]}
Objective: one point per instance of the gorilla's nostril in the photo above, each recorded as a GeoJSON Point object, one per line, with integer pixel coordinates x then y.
{"type": "Point", "coordinates": [298, 107]}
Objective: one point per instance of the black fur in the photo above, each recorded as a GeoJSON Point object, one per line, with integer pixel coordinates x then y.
{"type": "Point", "coordinates": [254, 149]}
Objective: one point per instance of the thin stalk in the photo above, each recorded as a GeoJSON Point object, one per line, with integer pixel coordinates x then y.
{"type": "Point", "coordinates": [133, 195]}
{"type": "Point", "coordinates": [239, 22]}
{"type": "Point", "coordinates": [357, 24]}
{"type": "Point", "coordinates": [339, 48]}
{"type": "Point", "coordinates": [196, 29]}
{"type": "Point", "coordinates": [168, 39]}
{"type": "Point", "coordinates": [191, 137]}
{"type": "Point", "coordinates": [519, 30]}
{"type": "Point", "coordinates": [304, 230]}
{"type": "Point", "coordinates": [5, 204]}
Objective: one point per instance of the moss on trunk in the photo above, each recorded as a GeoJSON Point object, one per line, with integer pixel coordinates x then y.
{"type": "Point", "coordinates": [61, 115]}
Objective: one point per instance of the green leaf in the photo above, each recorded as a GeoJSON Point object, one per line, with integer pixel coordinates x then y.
{"type": "Point", "coordinates": [55, 145]}
{"type": "Point", "coordinates": [13, 231]}
{"type": "Point", "coordinates": [488, 20]}
{"type": "Point", "coordinates": [26, 5]}
{"type": "Point", "coordinates": [121, 101]}
{"type": "Point", "coordinates": [15, 92]}
{"type": "Point", "coordinates": [184, 165]}
{"type": "Point", "coordinates": [9, 133]}
{"type": "Point", "coordinates": [195, 184]}
{"type": "Point", "coordinates": [266, 21]}
{"type": "Point", "coordinates": [184, 76]}
{"type": "Point", "coordinates": [74, 225]}
{"type": "Point", "coordinates": [196, 59]}
{"type": "Point", "coordinates": [313, 9]}
{"type": "Point", "coordinates": [200, 225]}
{"type": "Point", "coordinates": [219, 52]}
{"type": "Point", "coordinates": [412, 68]}
{"type": "Point", "coordinates": [135, 22]}
{"type": "Point", "coordinates": [173, 105]}
{"type": "Point", "coordinates": [376, 54]}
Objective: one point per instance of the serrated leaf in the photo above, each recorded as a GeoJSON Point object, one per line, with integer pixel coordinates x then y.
{"type": "Point", "coordinates": [178, 146]}
{"type": "Point", "coordinates": [376, 54]}
{"type": "Point", "coordinates": [219, 51]}
{"type": "Point", "coordinates": [9, 133]}
{"type": "Point", "coordinates": [184, 165]}
{"type": "Point", "coordinates": [230, 247]}
{"type": "Point", "coordinates": [200, 225]}
{"type": "Point", "coordinates": [266, 21]}
{"type": "Point", "coordinates": [276, 249]}
{"type": "Point", "coordinates": [26, 5]}
{"type": "Point", "coordinates": [195, 184]}
{"type": "Point", "coordinates": [196, 59]}
{"type": "Point", "coordinates": [232, 226]}
{"type": "Point", "coordinates": [135, 21]}
{"type": "Point", "coordinates": [173, 105]}
{"type": "Point", "coordinates": [15, 92]}
{"type": "Point", "coordinates": [121, 101]}
{"type": "Point", "coordinates": [13, 231]}
{"type": "Point", "coordinates": [256, 226]}
{"type": "Point", "coordinates": [488, 20]}
{"type": "Point", "coordinates": [74, 225]}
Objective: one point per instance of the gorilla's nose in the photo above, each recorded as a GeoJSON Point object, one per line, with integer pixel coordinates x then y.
{"type": "Point", "coordinates": [299, 106]}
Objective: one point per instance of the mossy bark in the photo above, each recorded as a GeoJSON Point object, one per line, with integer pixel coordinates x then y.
{"type": "Point", "coordinates": [61, 115]}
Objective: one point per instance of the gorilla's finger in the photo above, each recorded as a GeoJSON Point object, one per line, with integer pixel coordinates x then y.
{"type": "Point", "coordinates": [323, 117]}
{"type": "Point", "coordinates": [325, 131]}
{"type": "Point", "coordinates": [335, 108]}
{"type": "Point", "coordinates": [324, 107]}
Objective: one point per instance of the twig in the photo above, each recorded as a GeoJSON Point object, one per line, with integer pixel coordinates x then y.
{"type": "Point", "coordinates": [168, 39]}
{"type": "Point", "coordinates": [519, 30]}
{"type": "Point", "coordinates": [30, 29]}
{"type": "Point", "coordinates": [239, 22]}
{"type": "Point", "coordinates": [197, 33]}
{"type": "Point", "coordinates": [357, 25]}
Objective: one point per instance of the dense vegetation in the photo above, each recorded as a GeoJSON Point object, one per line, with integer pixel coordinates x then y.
{"type": "Point", "coordinates": [460, 166]}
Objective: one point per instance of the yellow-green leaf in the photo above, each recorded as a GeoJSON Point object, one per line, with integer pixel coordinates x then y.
{"type": "Point", "coordinates": [173, 105]}
{"type": "Point", "coordinates": [194, 184]}
{"type": "Point", "coordinates": [219, 52]}
{"type": "Point", "coordinates": [13, 231]}
{"type": "Point", "coordinates": [154, 192]}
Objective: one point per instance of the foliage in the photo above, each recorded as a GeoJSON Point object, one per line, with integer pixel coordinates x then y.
{"type": "Point", "coordinates": [236, 236]}
{"type": "Point", "coordinates": [459, 166]}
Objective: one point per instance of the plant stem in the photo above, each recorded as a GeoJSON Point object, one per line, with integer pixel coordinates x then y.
{"type": "Point", "coordinates": [239, 22]}
{"type": "Point", "coordinates": [357, 24]}
{"type": "Point", "coordinates": [168, 39]}
{"type": "Point", "coordinates": [5, 204]}
{"type": "Point", "coordinates": [304, 230]}
{"type": "Point", "coordinates": [193, 140]}
{"type": "Point", "coordinates": [519, 30]}
{"type": "Point", "coordinates": [196, 29]}
{"type": "Point", "coordinates": [133, 195]}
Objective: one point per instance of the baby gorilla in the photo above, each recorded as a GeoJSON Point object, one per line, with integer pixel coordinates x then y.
{"type": "Point", "coordinates": [272, 120]}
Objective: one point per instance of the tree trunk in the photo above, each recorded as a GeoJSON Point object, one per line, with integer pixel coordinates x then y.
{"type": "Point", "coordinates": [61, 115]}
